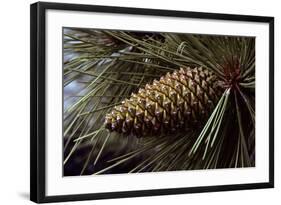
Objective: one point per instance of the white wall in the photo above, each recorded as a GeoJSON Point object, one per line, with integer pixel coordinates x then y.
{"type": "Point", "coordinates": [14, 100]}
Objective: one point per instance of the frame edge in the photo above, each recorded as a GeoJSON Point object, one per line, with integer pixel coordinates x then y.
{"type": "Point", "coordinates": [33, 103]}
{"type": "Point", "coordinates": [37, 102]}
{"type": "Point", "coordinates": [271, 101]}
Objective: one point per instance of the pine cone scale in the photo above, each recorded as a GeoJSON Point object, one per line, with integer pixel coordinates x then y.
{"type": "Point", "coordinates": [201, 85]}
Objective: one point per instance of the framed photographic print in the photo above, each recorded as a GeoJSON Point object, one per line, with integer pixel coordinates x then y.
{"type": "Point", "coordinates": [129, 102]}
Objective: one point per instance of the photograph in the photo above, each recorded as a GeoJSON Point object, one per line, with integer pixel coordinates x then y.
{"type": "Point", "coordinates": [134, 102]}
{"type": "Point", "coordinates": [146, 101]}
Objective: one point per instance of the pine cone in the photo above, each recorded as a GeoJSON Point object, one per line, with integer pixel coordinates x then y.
{"type": "Point", "coordinates": [177, 101]}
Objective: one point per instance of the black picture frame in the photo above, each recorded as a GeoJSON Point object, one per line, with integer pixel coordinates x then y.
{"type": "Point", "coordinates": [38, 100]}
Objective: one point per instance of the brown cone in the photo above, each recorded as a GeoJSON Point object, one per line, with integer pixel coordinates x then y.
{"type": "Point", "coordinates": [177, 101]}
